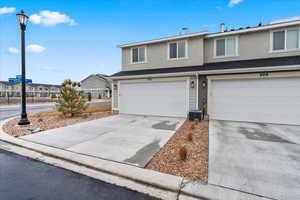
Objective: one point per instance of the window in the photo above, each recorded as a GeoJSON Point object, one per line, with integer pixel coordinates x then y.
{"type": "Point", "coordinates": [279, 40]}
{"type": "Point", "coordinates": [226, 47]}
{"type": "Point", "coordinates": [177, 50]}
{"type": "Point", "coordinates": [285, 40]}
{"type": "Point", "coordinates": [138, 54]}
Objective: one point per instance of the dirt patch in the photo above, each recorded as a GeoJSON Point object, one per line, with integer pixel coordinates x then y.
{"type": "Point", "coordinates": [195, 167]}
{"type": "Point", "coordinates": [49, 120]}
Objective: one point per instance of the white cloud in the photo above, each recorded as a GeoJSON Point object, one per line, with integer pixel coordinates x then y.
{"type": "Point", "coordinates": [13, 50]}
{"type": "Point", "coordinates": [7, 10]}
{"type": "Point", "coordinates": [234, 2]}
{"type": "Point", "coordinates": [35, 48]}
{"type": "Point", "coordinates": [51, 18]}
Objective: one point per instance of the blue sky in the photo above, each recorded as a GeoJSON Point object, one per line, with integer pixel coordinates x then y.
{"type": "Point", "coordinates": [72, 39]}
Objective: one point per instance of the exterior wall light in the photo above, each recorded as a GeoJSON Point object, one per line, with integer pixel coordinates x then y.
{"type": "Point", "coordinates": [115, 86]}
{"type": "Point", "coordinates": [204, 84]}
{"type": "Point", "coordinates": [192, 84]}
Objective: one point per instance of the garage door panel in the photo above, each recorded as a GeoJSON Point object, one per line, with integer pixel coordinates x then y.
{"type": "Point", "coordinates": [154, 98]}
{"type": "Point", "coordinates": [275, 100]}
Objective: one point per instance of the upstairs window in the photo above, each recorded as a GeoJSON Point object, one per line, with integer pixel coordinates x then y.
{"type": "Point", "coordinates": [226, 47]}
{"type": "Point", "coordinates": [177, 50]}
{"type": "Point", "coordinates": [138, 54]}
{"type": "Point", "coordinates": [285, 40]}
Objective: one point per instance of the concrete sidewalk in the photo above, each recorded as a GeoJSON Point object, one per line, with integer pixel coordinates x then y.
{"type": "Point", "coordinates": [128, 139]}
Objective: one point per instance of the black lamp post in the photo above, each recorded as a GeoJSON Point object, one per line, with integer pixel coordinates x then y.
{"type": "Point", "coordinates": [23, 19]}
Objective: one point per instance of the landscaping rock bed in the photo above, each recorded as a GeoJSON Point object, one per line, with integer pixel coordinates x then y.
{"type": "Point", "coordinates": [53, 119]}
{"type": "Point", "coordinates": [195, 167]}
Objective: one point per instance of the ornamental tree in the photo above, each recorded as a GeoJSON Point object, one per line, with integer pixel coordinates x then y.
{"type": "Point", "coordinates": [71, 101]}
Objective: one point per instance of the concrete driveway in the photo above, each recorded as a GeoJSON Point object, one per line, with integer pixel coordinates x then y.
{"type": "Point", "coordinates": [123, 138]}
{"type": "Point", "coordinates": [261, 159]}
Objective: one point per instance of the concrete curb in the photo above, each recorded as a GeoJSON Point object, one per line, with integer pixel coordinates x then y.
{"type": "Point", "coordinates": [154, 183]}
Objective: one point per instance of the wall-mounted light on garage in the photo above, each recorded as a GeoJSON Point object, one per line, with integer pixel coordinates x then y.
{"type": "Point", "coordinates": [115, 86]}
{"type": "Point", "coordinates": [192, 84]}
{"type": "Point", "coordinates": [204, 84]}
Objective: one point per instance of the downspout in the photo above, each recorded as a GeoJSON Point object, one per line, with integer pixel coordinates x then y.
{"type": "Point", "coordinates": [197, 91]}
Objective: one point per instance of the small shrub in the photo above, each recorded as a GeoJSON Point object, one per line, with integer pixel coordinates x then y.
{"type": "Point", "coordinates": [190, 136]}
{"type": "Point", "coordinates": [193, 126]}
{"type": "Point", "coordinates": [40, 120]}
{"type": "Point", "coordinates": [183, 153]}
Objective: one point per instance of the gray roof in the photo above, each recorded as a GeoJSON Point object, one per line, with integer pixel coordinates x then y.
{"type": "Point", "coordinates": [266, 62]}
{"type": "Point", "coordinates": [101, 76]}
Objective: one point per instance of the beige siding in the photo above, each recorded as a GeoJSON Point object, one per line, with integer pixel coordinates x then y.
{"type": "Point", "coordinates": [253, 45]}
{"type": "Point", "coordinates": [157, 56]}
{"type": "Point", "coordinates": [193, 94]}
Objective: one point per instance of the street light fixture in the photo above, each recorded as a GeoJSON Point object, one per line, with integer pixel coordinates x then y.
{"type": "Point", "coordinates": [23, 19]}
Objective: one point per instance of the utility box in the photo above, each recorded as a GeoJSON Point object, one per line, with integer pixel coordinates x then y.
{"type": "Point", "coordinates": [195, 114]}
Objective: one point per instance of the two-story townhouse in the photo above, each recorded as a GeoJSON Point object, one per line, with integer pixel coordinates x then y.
{"type": "Point", "coordinates": [32, 89]}
{"type": "Point", "coordinates": [248, 74]}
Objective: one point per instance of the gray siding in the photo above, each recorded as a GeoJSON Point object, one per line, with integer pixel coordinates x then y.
{"type": "Point", "coordinates": [115, 95]}
{"type": "Point", "coordinates": [193, 94]}
{"type": "Point", "coordinates": [93, 82]}
{"type": "Point", "coordinates": [253, 45]}
{"type": "Point", "coordinates": [202, 100]}
{"type": "Point", "coordinates": [157, 56]}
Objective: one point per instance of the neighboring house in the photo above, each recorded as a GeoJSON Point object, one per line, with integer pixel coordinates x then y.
{"type": "Point", "coordinates": [97, 85]}
{"type": "Point", "coordinates": [32, 89]}
{"type": "Point", "coordinates": [248, 74]}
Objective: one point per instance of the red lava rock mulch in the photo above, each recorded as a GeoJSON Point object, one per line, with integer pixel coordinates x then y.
{"type": "Point", "coordinates": [195, 167]}
{"type": "Point", "coordinates": [49, 122]}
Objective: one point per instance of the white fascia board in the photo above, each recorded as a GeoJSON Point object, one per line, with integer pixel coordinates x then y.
{"type": "Point", "coordinates": [258, 28]}
{"type": "Point", "coordinates": [163, 39]}
{"type": "Point", "coordinates": [210, 72]}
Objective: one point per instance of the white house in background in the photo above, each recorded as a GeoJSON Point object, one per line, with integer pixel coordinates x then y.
{"type": "Point", "coordinates": [32, 89]}
{"type": "Point", "coordinates": [248, 74]}
{"type": "Point", "coordinates": [97, 85]}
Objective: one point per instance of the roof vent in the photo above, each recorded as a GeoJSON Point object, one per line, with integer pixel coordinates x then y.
{"type": "Point", "coordinates": [285, 20]}
{"type": "Point", "coordinates": [184, 30]}
{"type": "Point", "coordinates": [222, 27]}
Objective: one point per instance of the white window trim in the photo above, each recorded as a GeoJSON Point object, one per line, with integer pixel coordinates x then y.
{"type": "Point", "coordinates": [285, 41]}
{"type": "Point", "coordinates": [186, 50]}
{"type": "Point", "coordinates": [226, 38]}
{"type": "Point", "coordinates": [131, 58]}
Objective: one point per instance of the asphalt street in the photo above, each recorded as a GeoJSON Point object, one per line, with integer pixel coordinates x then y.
{"type": "Point", "coordinates": [23, 179]}
{"type": "Point", "coordinates": [11, 111]}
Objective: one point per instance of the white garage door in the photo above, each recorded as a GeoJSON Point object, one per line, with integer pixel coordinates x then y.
{"type": "Point", "coordinates": [155, 98]}
{"type": "Point", "coordinates": [275, 100]}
